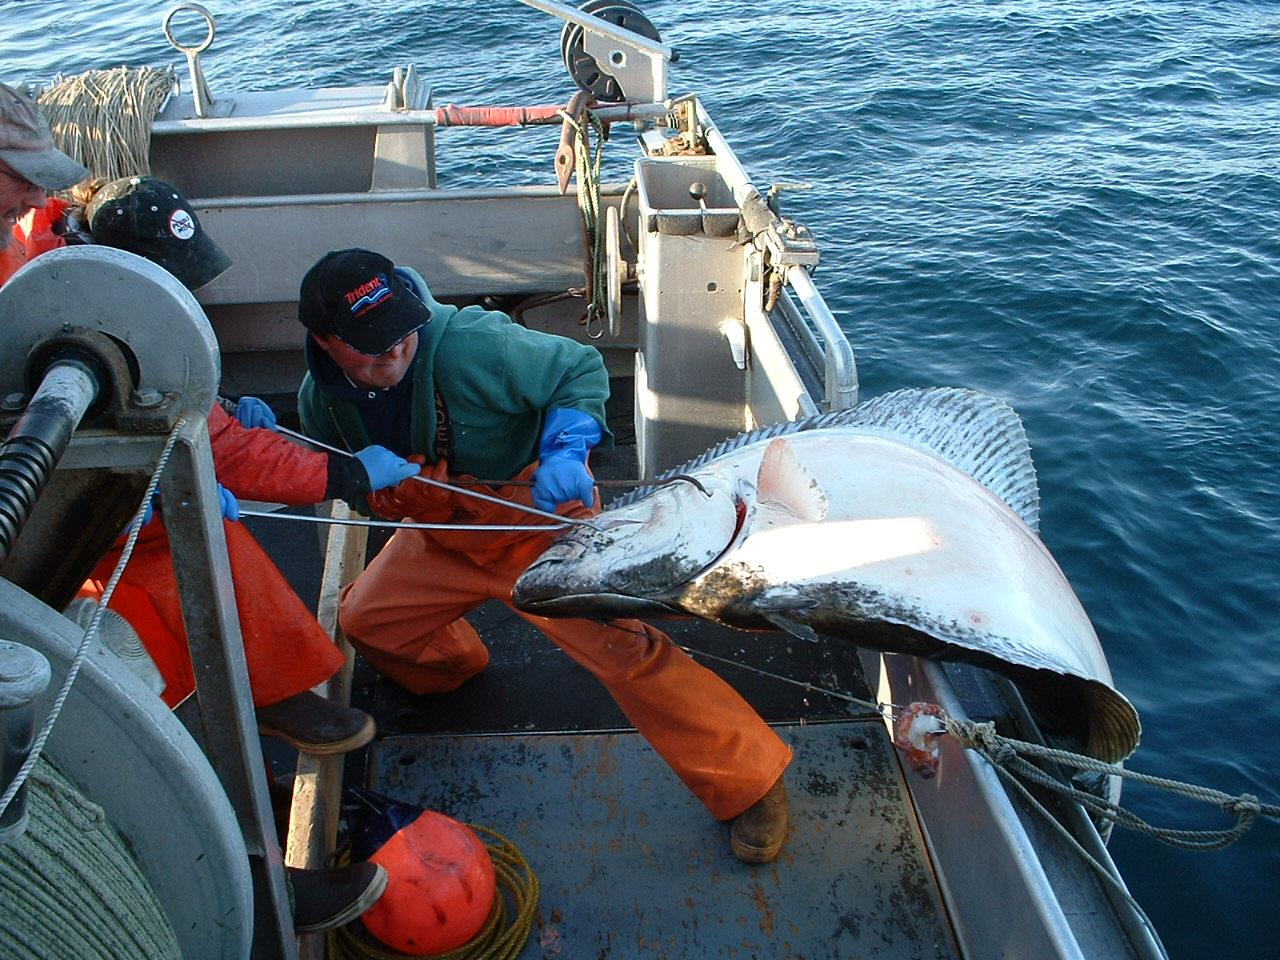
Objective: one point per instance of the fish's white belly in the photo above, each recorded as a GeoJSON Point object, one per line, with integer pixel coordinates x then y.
{"type": "Point", "coordinates": [909, 526]}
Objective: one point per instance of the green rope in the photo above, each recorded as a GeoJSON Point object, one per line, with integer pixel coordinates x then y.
{"type": "Point", "coordinates": [587, 168]}
{"type": "Point", "coordinates": [69, 887]}
{"type": "Point", "coordinates": [498, 939]}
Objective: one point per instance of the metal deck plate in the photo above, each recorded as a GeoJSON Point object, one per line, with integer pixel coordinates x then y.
{"type": "Point", "coordinates": [632, 866]}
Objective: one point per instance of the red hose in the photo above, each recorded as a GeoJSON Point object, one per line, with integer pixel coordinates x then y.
{"type": "Point", "coordinates": [455, 116]}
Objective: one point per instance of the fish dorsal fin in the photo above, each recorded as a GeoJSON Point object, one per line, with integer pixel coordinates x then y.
{"type": "Point", "coordinates": [784, 483]}
{"type": "Point", "coordinates": [972, 431]}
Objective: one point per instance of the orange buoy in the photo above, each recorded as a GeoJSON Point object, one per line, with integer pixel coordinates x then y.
{"type": "Point", "coordinates": [440, 882]}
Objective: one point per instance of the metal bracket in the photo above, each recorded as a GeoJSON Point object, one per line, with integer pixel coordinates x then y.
{"type": "Point", "coordinates": [406, 91]}
{"type": "Point", "coordinates": [226, 727]}
{"type": "Point", "coordinates": [200, 96]}
{"type": "Point", "coordinates": [638, 64]}
{"type": "Point", "coordinates": [788, 243]}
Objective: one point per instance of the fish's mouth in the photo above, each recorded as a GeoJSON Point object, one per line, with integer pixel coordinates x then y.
{"type": "Point", "coordinates": [575, 575]}
{"type": "Point", "coordinates": [593, 606]}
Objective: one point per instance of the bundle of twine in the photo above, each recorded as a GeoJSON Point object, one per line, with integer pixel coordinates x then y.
{"type": "Point", "coordinates": [103, 118]}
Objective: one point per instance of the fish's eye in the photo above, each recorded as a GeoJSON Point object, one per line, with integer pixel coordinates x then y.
{"type": "Point", "coordinates": [562, 550]}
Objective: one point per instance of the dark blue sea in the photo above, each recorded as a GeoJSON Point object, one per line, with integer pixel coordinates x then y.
{"type": "Point", "coordinates": [1072, 205]}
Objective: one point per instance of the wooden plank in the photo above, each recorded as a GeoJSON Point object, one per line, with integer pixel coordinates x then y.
{"type": "Point", "coordinates": [317, 785]}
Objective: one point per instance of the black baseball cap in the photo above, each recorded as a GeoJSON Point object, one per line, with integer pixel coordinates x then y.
{"type": "Point", "coordinates": [151, 218]}
{"type": "Point", "coordinates": [356, 296]}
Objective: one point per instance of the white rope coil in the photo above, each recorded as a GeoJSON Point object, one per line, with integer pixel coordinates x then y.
{"type": "Point", "coordinates": [103, 118]}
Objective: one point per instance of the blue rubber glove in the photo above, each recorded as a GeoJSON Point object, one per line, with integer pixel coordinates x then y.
{"type": "Point", "coordinates": [253, 413]}
{"type": "Point", "coordinates": [567, 438]}
{"type": "Point", "coordinates": [147, 515]}
{"type": "Point", "coordinates": [230, 505]}
{"type": "Point", "coordinates": [384, 468]}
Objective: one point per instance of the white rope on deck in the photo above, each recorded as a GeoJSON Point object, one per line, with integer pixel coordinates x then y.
{"type": "Point", "coordinates": [103, 118]}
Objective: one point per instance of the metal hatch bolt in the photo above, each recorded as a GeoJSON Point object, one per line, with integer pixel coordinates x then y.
{"type": "Point", "coordinates": [146, 398]}
{"type": "Point", "coordinates": [24, 675]}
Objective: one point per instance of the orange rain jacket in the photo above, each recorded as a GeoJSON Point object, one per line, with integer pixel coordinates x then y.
{"type": "Point", "coordinates": [30, 237]}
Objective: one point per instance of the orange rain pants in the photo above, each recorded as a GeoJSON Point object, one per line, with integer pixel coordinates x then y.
{"type": "Point", "coordinates": [404, 614]}
{"type": "Point", "coordinates": [286, 650]}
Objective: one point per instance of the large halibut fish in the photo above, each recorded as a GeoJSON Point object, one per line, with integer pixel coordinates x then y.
{"type": "Point", "coordinates": [907, 524]}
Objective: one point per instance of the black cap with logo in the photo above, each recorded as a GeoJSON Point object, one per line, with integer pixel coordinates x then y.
{"type": "Point", "coordinates": [151, 218]}
{"type": "Point", "coordinates": [356, 296]}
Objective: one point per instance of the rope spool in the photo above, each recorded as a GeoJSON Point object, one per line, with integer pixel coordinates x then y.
{"type": "Point", "coordinates": [70, 888]}
{"type": "Point", "coordinates": [103, 118]}
{"type": "Point", "coordinates": [504, 933]}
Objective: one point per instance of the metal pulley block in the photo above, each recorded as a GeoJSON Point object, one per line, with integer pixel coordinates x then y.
{"type": "Point", "coordinates": [602, 71]}
{"type": "Point", "coordinates": [787, 242]}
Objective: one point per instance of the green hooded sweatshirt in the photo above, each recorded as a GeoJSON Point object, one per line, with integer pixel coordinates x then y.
{"type": "Point", "coordinates": [497, 381]}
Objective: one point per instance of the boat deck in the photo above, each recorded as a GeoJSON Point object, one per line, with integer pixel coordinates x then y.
{"type": "Point", "coordinates": [629, 863]}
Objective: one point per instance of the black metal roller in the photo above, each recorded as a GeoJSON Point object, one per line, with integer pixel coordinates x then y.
{"type": "Point", "coordinates": [571, 31]}
{"type": "Point", "coordinates": [582, 67]}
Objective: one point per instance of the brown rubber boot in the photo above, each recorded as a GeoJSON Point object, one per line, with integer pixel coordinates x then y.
{"type": "Point", "coordinates": [316, 725]}
{"type": "Point", "coordinates": [758, 832]}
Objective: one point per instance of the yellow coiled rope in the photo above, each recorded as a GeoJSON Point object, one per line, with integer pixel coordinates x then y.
{"type": "Point", "coordinates": [498, 939]}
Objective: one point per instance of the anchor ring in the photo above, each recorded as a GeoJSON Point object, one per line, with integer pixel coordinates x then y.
{"type": "Point", "coordinates": [208, 20]}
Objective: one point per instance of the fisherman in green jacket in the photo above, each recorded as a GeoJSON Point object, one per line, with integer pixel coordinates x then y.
{"type": "Point", "coordinates": [469, 392]}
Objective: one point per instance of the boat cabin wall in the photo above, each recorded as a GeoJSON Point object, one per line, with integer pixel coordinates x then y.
{"type": "Point", "coordinates": [286, 177]}
{"type": "Point", "coordinates": [511, 248]}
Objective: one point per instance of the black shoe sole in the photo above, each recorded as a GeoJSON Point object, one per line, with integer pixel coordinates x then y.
{"type": "Point", "coordinates": [326, 748]}
{"type": "Point", "coordinates": [354, 909]}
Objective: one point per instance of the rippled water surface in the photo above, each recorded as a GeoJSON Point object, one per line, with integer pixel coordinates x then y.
{"type": "Point", "coordinates": [1075, 206]}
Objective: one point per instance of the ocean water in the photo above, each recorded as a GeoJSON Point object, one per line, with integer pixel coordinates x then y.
{"type": "Point", "coordinates": [1072, 205]}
